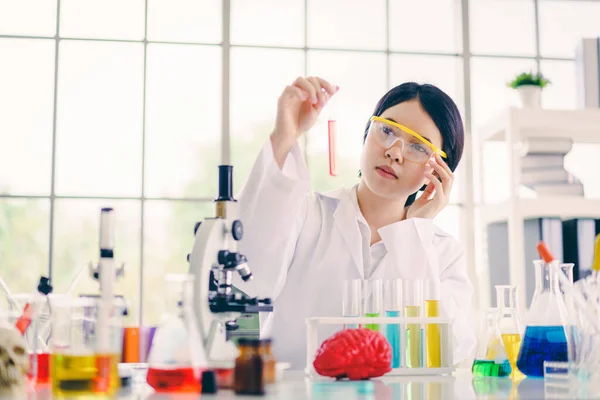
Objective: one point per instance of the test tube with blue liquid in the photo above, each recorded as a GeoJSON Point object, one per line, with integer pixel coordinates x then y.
{"type": "Point", "coordinates": [392, 305]}
{"type": "Point", "coordinates": [352, 300]}
{"type": "Point", "coordinates": [413, 298]}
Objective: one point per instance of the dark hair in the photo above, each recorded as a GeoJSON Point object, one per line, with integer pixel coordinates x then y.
{"type": "Point", "coordinates": [442, 110]}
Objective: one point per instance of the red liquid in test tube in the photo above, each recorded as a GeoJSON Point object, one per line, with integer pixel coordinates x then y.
{"type": "Point", "coordinates": [332, 131]}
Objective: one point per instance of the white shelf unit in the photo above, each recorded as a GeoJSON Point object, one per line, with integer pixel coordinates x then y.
{"type": "Point", "coordinates": [513, 126]}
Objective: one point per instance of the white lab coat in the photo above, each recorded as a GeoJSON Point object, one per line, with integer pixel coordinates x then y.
{"type": "Point", "coordinates": [302, 245]}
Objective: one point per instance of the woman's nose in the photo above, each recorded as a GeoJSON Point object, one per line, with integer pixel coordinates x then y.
{"type": "Point", "coordinates": [395, 153]}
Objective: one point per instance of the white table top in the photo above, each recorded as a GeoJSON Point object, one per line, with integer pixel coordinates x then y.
{"type": "Point", "coordinates": [295, 386]}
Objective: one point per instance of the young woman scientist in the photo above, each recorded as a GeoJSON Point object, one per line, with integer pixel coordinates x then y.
{"type": "Point", "coordinates": [303, 245]}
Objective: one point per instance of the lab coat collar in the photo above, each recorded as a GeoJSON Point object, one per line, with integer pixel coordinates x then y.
{"type": "Point", "coordinates": [346, 221]}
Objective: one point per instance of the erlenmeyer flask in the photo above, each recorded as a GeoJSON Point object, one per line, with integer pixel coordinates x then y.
{"type": "Point", "coordinates": [544, 338]}
{"type": "Point", "coordinates": [177, 357]}
{"type": "Point", "coordinates": [509, 325]}
{"type": "Point", "coordinates": [491, 359]}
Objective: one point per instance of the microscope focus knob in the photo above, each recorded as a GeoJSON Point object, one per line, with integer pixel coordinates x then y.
{"type": "Point", "coordinates": [267, 300]}
{"type": "Point", "coordinates": [196, 227]}
{"type": "Point", "coordinates": [237, 229]}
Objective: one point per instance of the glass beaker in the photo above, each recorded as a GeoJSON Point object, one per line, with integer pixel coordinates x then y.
{"type": "Point", "coordinates": [352, 300]}
{"type": "Point", "coordinates": [544, 338]}
{"type": "Point", "coordinates": [373, 301]}
{"type": "Point", "coordinates": [76, 365]}
{"type": "Point", "coordinates": [491, 359]}
{"type": "Point", "coordinates": [392, 305]}
{"type": "Point", "coordinates": [509, 325]}
{"type": "Point", "coordinates": [37, 337]}
{"type": "Point", "coordinates": [177, 357]}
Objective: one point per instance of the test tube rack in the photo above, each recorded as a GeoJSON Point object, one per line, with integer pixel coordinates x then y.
{"type": "Point", "coordinates": [445, 328]}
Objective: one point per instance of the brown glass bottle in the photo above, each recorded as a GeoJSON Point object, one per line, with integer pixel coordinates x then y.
{"type": "Point", "coordinates": [249, 368]}
{"type": "Point", "coordinates": [268, 361]}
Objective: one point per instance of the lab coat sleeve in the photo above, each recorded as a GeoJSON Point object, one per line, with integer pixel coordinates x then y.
{"type": "Point", "coordinates": [272, 208]}
{"type": "Point", "coordinates": [420, 250]}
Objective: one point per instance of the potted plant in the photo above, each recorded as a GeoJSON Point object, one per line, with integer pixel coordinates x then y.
{"type": "Point", "coordinates": [530, 87]}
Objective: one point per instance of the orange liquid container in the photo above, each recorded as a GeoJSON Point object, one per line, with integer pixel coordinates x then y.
{"type": "Point", "coordinates": [332, 130]}
{"type": "Point", "coordinates": [131, 344]}
{"type": "Point", "coordinates": [176, 380]}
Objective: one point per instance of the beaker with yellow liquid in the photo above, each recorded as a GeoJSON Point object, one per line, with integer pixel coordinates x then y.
{"type": "Point", "coordinates": [78, 366]}
{"type": "Point", "coordinates": [509, 325]}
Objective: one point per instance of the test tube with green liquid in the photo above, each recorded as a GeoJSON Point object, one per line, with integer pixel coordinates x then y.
{"type": "Point", "coordinates": [413, 298]}
{"type": "Point", "coordinates": [373, 301]}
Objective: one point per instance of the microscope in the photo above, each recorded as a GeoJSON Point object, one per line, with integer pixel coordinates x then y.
{"type": "Point", "coordinates": [213, 261]}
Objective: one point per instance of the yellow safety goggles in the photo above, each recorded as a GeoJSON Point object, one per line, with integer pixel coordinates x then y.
{"type": "Point", "coordinates": [410, 132]}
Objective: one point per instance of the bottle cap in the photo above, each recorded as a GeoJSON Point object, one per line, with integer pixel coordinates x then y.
{"type": "Point", "coordinates": [44, 286]}
{"type": "Point", "coordinates": [209, 382]}
{"type": "Point", "coordinates": [545, 252]}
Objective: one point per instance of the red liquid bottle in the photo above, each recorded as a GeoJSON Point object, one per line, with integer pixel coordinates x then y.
{"type": "Point", "coordinates": [42, 366]}
{"type": "Point", "coordinates": [32, 309]}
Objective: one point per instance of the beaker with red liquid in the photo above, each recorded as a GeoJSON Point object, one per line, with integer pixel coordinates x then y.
{"type": "Point", "coordinates": [177, 357]}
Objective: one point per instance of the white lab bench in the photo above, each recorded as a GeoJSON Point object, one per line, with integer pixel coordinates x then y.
{"type": "Point", "coordinates": [295, 386]}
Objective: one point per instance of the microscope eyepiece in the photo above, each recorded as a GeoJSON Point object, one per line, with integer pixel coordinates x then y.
{"type": "Point", "coordinates": [225, 183]}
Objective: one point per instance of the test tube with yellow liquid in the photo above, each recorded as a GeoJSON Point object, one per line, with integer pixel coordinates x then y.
{"type": "Point", "coordinates": [413, 298]}
{"type": "Point", "coordinates": [510, 326]}
{"type": "Point", "coordinates": [432, 331]}
{"type": "Point", "coordinates": [77, 368]}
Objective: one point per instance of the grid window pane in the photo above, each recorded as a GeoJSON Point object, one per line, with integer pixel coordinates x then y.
{"type": "Point", "coordinates": [411, 25]}
{"type": "Point", "coordinates": [502, 27]}
{"type": "Point", "coordinates": [26, 107]}
{"type": "Point", "coordinates": [185, 20]}
{"type": "Point", "coordinates": [24, 242]}
{"type": "Point", "coordinates": [258, 77]}
{"type": "Point", "coordinates": [564, 23]}
{"type": "Point", "coordinates": [76, 232]}
{"type": "Point", "coordinates": [443, 71]}
{"type": "Point", "coordinates": [99, 124]}
{"type": "Point", "coordinates": [561, 93]}
{"type": "Point", "coordinates": [28, 17]}
{"type": "Point", "coordinates": [489, 95]}
{"type": "Point", "coordinates": [449, 220]}
{"type": "Point", "coordinates": [362, 81]}
{"type": "Point", "coordinates": [279, 23]}
{"type": "Point", "coordinates": [168, 239]}
{"type": "Point", "coordinates": [102, 19]}
{"type": "Point", "coordinates": [348, 24]}
{"type": "Point", "coordinates": [183, 120]}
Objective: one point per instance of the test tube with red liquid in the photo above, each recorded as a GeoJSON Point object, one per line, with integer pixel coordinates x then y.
{"type": "Point", "coordinates": [332, 139]}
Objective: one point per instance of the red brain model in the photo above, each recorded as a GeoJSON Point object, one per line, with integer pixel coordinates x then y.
{"type": "Point", "coordinates": [354, 353]}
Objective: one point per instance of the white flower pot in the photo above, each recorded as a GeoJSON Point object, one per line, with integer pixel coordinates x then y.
{"type": "Point", "coordinates": [531, 96]}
